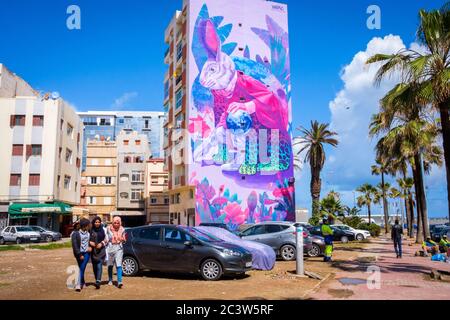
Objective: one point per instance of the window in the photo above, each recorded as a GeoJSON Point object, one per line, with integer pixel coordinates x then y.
{"type": "Point", "coordinates": [17, 120]}
{"type": "Point", "coordinates": [108, 162]}
{"type": "Point", "coordinates": [92, 200]}
{"type": "Point", "coordinates": [34, 180]}
{"type": "Point", "coordinates": [69, 130]}
{"type": "Point", "coordinates": [62, 124]}
{"type": "Point", "coordinates": [150, 233]}
{"type": "Point", "coordinates": [124, 177]}
{"type": "Point", "coordinates": [191, 194]}
{"type": "Point", "coordinates": [94, 162]}
{"type": "Point", "coordinates": [272, 228]}
{"type": "Point", "coordinates": [147, 124]}
{"type": "Point", "coordinates": [179, 120]}
{"type": "Point", "coordinates": [153, 200]}
{"type": "Point", "coordinates": [124, 195]}
{"type": "Point", "coordinates": [174, 235]}
{"type": "Point", "coordinates": [180, 50]}
{"type": "Point", "coordinates": [15, 180]}
{"type": "Point", "coordinates": [36, 150]}
{"type": "Point", "coordinates": [108, 180]}
{"type": "Point", "coordinates": [121, 121]}
{"type": "Point", "coordinates": [154, 180]}
{"type": "Point", "coordinates": [138, 142]}
{"type": "Point", "coordinates": [126, 142]}
{"type": "Point", "coordinates": [166, 200]}
{"type": "Point", "coordinates": [38, 121]}
{"type": "Point", "coordinates": [127, 160]}
{"type": "Point", "coordinates": [58, 181]}
{"type": "Point", "coordinates": [137, 176]}
{"type": "Point", "coordinates": [105, 122]}
{"type": "Point", "coordinates": [107, 201]}
{"type": "Point", "coordinates": [177, 198]}
{"type": "Point", "coordinates": [93, 180]}
{"type": "Point", "coordinates": [179, 99]}
{"type": "Point", "coordinates": [67, 180]}
{"type": "Point", "coordinates": [136, 194]}
{"type": "Point", "coordinates": [17, 150]}
{"type": "Point", "coordinates": [166, 89]}
{"type": "Point", "coordinates": [69, 156]}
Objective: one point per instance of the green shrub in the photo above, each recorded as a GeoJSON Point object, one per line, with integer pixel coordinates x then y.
{"type": "Point", "coordinates": [373, 228]}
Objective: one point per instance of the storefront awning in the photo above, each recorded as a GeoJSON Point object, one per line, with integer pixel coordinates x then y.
{"type": "Point", "coordinates": [27, 209]}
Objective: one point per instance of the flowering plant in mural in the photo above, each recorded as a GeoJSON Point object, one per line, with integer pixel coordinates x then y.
{"type": "Point", "coordinates": [223, 207]}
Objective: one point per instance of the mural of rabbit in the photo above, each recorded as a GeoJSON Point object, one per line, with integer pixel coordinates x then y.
{"type": "Point", "coordinates": [253, 103]}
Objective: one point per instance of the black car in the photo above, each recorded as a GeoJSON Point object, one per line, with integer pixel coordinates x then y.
{"type": "Point", "coordinates": [338, 234]}
{"type": "Point", "coordinates": [182, 249]}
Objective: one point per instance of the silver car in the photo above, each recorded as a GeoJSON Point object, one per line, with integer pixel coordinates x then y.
{"type": "Point", "coordinates": [19, 234]}
{"type": "Point", "coordinates": [47, 235]}
{"type": "Point", "coordinates": [281, 236]}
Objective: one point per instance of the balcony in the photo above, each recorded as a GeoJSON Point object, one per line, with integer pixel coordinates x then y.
{"type": "Point", "coordinates": [180, 181]}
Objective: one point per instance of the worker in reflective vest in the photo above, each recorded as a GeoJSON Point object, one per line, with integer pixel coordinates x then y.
{"type": "Point", "coordinates": [327, 233]}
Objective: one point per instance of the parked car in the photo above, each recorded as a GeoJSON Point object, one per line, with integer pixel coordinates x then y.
{"type": "Point", "coordinates": [263, 256]}
{"type": "Point", "coordinates": [359, 234]}
{"type": "Point", "coordinates": [47, 235]}
{"type": "Point", "coordinates": [438, 233]}
{"type": "Point", "coordinates": [339, 235]}
{"type": "Point", "coordinates": [19, 234]}
{"type": "Point", "coordinates": [182, 249]}
{"type": "Point", "coordinates": [281, 236]}
{"type": "Point", "coordinates": [217, 225]}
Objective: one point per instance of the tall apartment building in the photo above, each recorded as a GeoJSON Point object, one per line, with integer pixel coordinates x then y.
{"type": "Point", "coordinates": [156, 196]}
{"type": "Point", "coordinates": [108, 124]}
{"type": "Point", "coordinates": [41, 159]}
{"type": "Point", "coordinates": [132, 155]}
{"type": "Point", "coordinates": [100, 178]}
{"type": "Point", "coordinates": [227, 93]}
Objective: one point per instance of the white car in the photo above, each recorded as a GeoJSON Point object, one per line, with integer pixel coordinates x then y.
{"type": "Point", "coordinates": [359, 234]}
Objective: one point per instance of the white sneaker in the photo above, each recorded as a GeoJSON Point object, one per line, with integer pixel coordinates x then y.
{"type": "Point", "coordinates": [110, 283]}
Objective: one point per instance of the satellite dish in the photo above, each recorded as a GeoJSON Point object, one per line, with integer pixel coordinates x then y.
{"type": "Point", "coordinates": [55, 95]}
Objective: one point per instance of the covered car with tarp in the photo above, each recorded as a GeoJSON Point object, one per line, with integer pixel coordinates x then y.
{"type": "Point", "coordinates": [263, 256]}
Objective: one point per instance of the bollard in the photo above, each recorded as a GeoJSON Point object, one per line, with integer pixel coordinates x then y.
{"type": "Point", "coordinates": [300, 266]}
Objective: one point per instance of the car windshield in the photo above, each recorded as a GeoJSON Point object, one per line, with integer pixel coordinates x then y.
{"type": "Point", "coordinates": [38, 229]}
{"type": "Point", "coordinates": [24, 229]}
{"type": "Point", "coordinates": [201, 235]}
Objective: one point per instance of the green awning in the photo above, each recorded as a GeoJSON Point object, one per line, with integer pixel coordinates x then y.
{"type": "Point", "coordinates": [27, 209]}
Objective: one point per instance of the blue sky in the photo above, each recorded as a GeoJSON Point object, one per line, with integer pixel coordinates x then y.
{"type": "Point", "coordinates": [119, 52]}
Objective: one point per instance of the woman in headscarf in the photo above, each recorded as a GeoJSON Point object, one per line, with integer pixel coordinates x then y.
{"type": "Point", "coordinates": [81, 250]}
{"type": "Point", "coordinates": [116, 237]}
{"type": "Point", "coordinates": [98, 242]}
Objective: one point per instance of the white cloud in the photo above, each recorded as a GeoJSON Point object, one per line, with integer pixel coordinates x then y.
{"type": "Point", "coordinates": [121, 102]}
{"type": "Point", "coordinates": [351, 111]}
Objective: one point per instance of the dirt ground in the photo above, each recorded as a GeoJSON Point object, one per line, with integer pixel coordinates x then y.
{"type": "Point", "coordinates": [43, 274]}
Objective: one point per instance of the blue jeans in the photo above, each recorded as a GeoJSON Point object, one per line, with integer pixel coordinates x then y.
{"type": "Point", "coordinates": [97, 266]}
{"type": "Point", "coordinates": [398, 246]}
{"type": "Point", "coordinates": [119, 274]}
{"type": "Point", "coordinates": [82, 264]}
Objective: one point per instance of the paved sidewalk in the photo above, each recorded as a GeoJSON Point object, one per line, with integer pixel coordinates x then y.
{"type": "Point", "coordinates": [406, 278]}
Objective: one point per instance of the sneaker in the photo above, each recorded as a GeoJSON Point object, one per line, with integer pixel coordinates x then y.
{"type": "Point", "coordinates": [97, 285]}
{"type": "Point", "coordinates": [120, 286]}
{"type": "Point", "coordinates": [77, 288]}
{"type": "Point", "coordinates": [110, 283]}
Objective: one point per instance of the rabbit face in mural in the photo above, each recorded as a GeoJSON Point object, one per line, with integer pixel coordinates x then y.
{"type": "Point", "coordinates": [219, 71]}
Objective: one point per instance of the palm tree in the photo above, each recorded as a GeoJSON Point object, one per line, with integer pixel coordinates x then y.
{"type": "Point", "coordinates": [381, 169]}
{"type": "Point", "coordinates": [395, 194]}
{"type": "Point", "coordinates": [369, 196]}
{"type": "Point", "coordinates": [427, 74]}
{"type": "Point", "coordinates": [312, 141]}
{"type": "Point", "coordinates": [331, 206]}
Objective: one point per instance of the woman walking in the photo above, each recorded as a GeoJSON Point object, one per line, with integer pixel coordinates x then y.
{"type": "Point", "coordinates": [116, 237]}
{"type": "Point", "coordinates": [81, 250]}
{"type": "Point", "coordinates": [98, 242]}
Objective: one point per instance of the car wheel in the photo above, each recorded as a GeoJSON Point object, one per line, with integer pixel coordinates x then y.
{"type": "Point", "coordinates": [211, 270]}
{"type": "Point", "coordinates": [2, 241]}
{"type": "Point", "coordinates": [314, 251]}
{"type": "Point", "coordinates": [288, 252]}
{"type": "Point", "coordinates": [49, 239]}
{"type": "Point", "coordinates": [18, 241]}
{"type": "Point", "coordinates": [130, 266]}
{"type": "Point", "coordinates": [359, 237]}
{"type": "Point", "coordinates": [344, 239]}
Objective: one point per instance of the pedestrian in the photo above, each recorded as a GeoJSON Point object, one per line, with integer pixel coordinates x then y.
{"type": "Point", "coordinates": [396, 236]}
{"type": "Point", "coordinates": [327, 233]}
{"type": "Point", "coordinates": [116, 238]}
{"type": "Point", "coordinates": [81, 250]}
{"type": "Point", "coordinates": [98, 242]}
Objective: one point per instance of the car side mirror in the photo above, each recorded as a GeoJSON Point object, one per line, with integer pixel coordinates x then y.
{"type": "Point", "coordinates": [188, 243]}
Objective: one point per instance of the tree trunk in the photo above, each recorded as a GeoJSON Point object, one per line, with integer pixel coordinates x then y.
{"type": "Point", "coordinates": [408, 217]}
{"type": "Point", "coordinates": [411, 214]}
{"type": "Point", "coordinates": [385, 205]}
{"type": "Point", "coordinates": [445, 124]}
{"type": "Point", "coordinates": [316, 185]}
{"type": "Point", "coordinates": [423, 199]}
{"type": "Point", "coordinates": [369, 214]}
{"type": "Point", "coordinates": [419, 236]}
